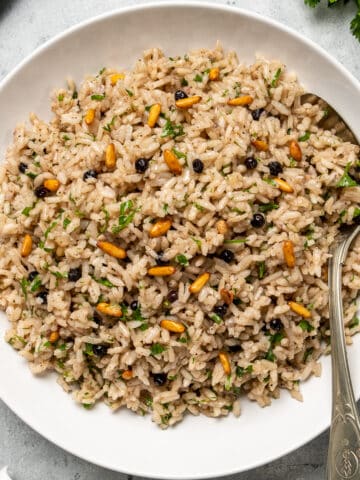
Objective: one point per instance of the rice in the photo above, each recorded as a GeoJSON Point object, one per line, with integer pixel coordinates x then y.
{"type": "Point", "coordinates": [132, 360]}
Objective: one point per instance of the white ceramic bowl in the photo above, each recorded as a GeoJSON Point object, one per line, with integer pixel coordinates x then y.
{"type": "Point", "coordinates": [199, 447]}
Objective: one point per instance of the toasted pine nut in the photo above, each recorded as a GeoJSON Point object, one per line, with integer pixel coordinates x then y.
{"type": "Point", "coordinates": [300, 309]}
{"type": "Point", "coordinates": [260, 145]}
{"type": "Point", "coordinates": [154, 113]}
{"type": "Point", "coordinates": [127, 375]}
{"type": "Point", "coordinates": [110, 157]}
{"type": "Point", "coordinates": [227, 296]}
{"type": "Point", "coordinates": [188, 101]}
{"type": "Point", "coordinates": [52, 184]}
{"type": "Point", "coordinates": [221, 227]}
{"type": "Point", "coordinates": [115, 77]}
{"type": "Point", "coordinates": [160, 228]}
{"type": "Point", "coordinates": [283, 186]}
{"type": "Point", "coordinates": [240, 101]}
{"type": "Point", "coordinates": [89, 117]}
{"type": "Point", "coordinates": [109, 309]}
{"type": "Point", "coordinates": [172, 326]}
{"type": "Point", "coordinates": [54, 337]}
{"type": "Point", "coordinates": [214, 74]}
{"type": "Point", "coordinates": [172, 162]}
{"type": "Point", "coordinates": [26, 246]}
{"type": "Point", "coordinates": [199, 283]}
{"type": "Point", "coordinates": [161, 271]}
{"type": "Point", "coordinates": [295, 151]}
{"type": "Point", "coordinates": [288, 251]}
{"type": "Point", "coordinates": [225, 362]}
{"type": "Point", "coordinates": [111, 249]}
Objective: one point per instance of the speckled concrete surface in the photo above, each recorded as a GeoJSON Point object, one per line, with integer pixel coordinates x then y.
{"type": "Point", "coordinates": [26, 24]}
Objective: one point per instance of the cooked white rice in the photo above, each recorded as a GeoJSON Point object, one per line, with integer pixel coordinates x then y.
{"type": "Point", "coordinates": [268, 345]}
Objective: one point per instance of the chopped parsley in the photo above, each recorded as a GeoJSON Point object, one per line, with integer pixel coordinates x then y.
{"type": "Point", "coordinates": [261, 270]}
{"type": "Point", "coordinates": [184, 82]}
{"type": "Point", "coordinates": [307, 353]}
{"type": "Point", "coordinates": [237, 89]}
{"type": "Point", "coordinates": [267, 207]}
{"type": "Point", "coordinates": [36, 284]}
{"type": "Point", "coordinates": [198, 242]}
{"type": "Point", "coordinates": [199, 207]}
{"type": "Point", "coordinates": [89, 349]}
{"type": "Point", "coordinates": [182, 260]}
{"type": "Point", "coordinates": [126, 216]}
{"type": "Point", "coordinates": [27, 210]}
{"type": "Point", "coordinates": [356, 212]}
{"type": "Point", "coordinates": [66, 222]}
{"type": "Point", "coordinates": [97, 97]}
{"type": "Point", "coordinates": [354, 323]}
{"type": "Point", "coordinates": [60, 97]}
{"type": "Point", "coordinates": [87, 406]}
{"type": "Point", "coordinates": [198, 78]}
{"type": "Point", "coordinates": [179, 154]}
{"type": "Point", "coordinates": [129, 92]}
{"type": "Point", "coordinates": [58, 275]}
{"type": "Point", "coordinates": [240, 371]}
{"type": "Point", "coordinates": [346, 180]}
{"type": "Point", "coordinates": [102, 70]}
{"type": "Point", "coordinates": [235, 241]}
{"type": "Point", "coordinates": [305, 326]}
{"type": "Point", "coordinates": [108, 126]}
{"type": "Point", "coordinates": [74, 95]}
{"type": "Point", "coordinates": [32, 175]}
{"type": "Point", "coordinates": [104, 281]}
{"type": "Point", "coordinates": [270, 181]}
{"type": "Point", "coordinates": [172, 130]}
{"type": "Point", "coordinates": [270, 355]}
{"type": "Point", "coordinates": [137, 315]}
{"type": "Point", "coordinates": [215, 318]}
{"type": "Point", "coordinates": [157, 349]}
{"type": "Point", "coordinates": [304, 137]}
{"type": "Point", "coordinates": [276, 77]}
{"type": "Point", "coordinates": [165, 208]}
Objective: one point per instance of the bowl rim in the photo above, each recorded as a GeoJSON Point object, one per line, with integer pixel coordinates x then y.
{"type": "Point", "coordinates": [169, 4]}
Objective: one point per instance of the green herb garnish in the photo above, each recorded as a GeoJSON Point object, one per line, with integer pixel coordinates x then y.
{"type": "Point", "coordinates": [36, 284]}
{"type": "Point", "coordinates": [235, 241]}
{"type": "Point", "coordinates": [184, 82]}
{"type": "Point", "coordinates": [104, 281]}
{"type": "Point", "coordinates": [215, 318]}
{"type": "Point", "coordinates": [261, 270]}
{"type": "Point", "coordinates": [179, 154]}
{"type": "Point", "coordinates": [182, 260]}
{"type": "Point", "coordinates": [276, 77]}
{"type": "Point", "coordinates": [108, 126]}
{"type": "Point", "coordinates": [172, 130]}
{"type": "Point", "coordinates": [305, 326]}
{"type": "Point", "coordinates": [198, 78]}
{"type": "Point", "coordinates": [165, 208]}
{"type": "Point", "coordinates": [27, 210]}
{"type": "Point", "coordinates": [60, 97]}
{"type": "Point", "coordinates": [129, 92]}
{"type": "Point", "coordinates": [98, 97]}
{"type": "Point", "coordinates": [307, 353]}
{"type": "Point", "coordinates": [58, 275]}
{"type": "Point", "coordinates": [240, 371]}
{"type": "Point", "coordinates": [346, 180]}
{"type": "Point", "coordinates": [89, 349]}
{"type": "Point", "coordinates": [267, 207]}
{"type": "Point", "coordinates": [198, 242]}
{"type": "Point", "coordinates": [66, 222]}
{"type": "Point", "coordinates": [354, 323]}
{"type": "Point", "coordinates": [157, 349]}
{"type": "Point", "coordinates": [126, 216]}
{"type": "Point", "coordinates": [304, 137]}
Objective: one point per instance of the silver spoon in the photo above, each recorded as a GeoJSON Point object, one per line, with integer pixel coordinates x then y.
{"type": "Point", "coordinates": [344, 445]}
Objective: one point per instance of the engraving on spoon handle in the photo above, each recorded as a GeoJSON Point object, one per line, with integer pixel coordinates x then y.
{"type": "Point", "coordinates": [344, 444]}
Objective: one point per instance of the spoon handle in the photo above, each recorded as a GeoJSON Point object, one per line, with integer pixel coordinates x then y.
{"type": "Point", "coordinates": [344, 445]}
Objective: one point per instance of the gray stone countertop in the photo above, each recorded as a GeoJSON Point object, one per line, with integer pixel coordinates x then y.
{"type": "Point", "coordinates": [26, 24]}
